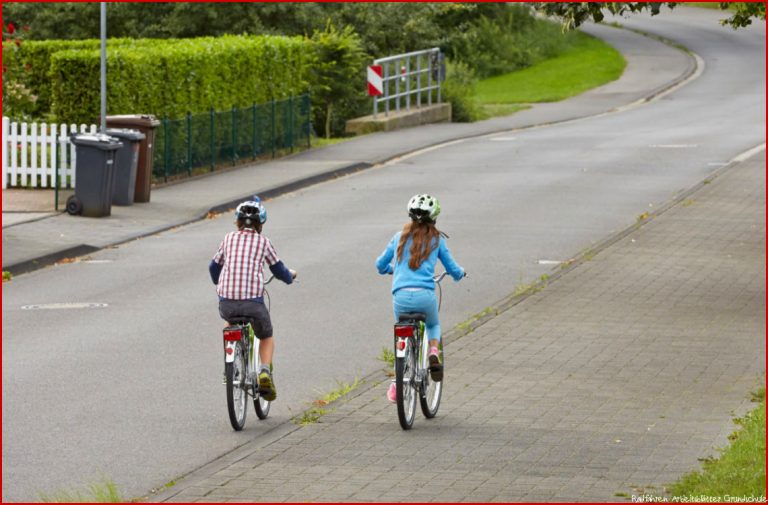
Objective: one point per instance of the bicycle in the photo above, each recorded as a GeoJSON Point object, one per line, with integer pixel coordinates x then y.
{"type": "Point", "coordinates": [240, 370]}
{"type": "Point", "coordinates": [412, 372]}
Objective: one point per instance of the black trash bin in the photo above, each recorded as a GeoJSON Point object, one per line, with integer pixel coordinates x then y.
{"type": "Point", "coordinates": [146, 124]}
{"type": "Point", "coordinates": [94, 174]}
{"type": "Point", "coordinates": [126, 160]}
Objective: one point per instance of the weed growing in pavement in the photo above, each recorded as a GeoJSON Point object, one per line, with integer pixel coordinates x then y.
{"type": "Point", "coordinates": [688, 202]}
{"type": "Point", "coordinates": [7, 276]}
{"type": "Point", "coordinates": [464, 326]}
{"type": "Point", "coordinates": [314, 413]}
{"type": "Point", "coordinates": [387, 356]}
{"type": "Point", "coordinates": [103, 492]}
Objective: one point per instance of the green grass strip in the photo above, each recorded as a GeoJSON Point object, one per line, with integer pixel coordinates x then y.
{"type": "Point", "coordinates": [587, 64]}
{"type": "Point", "coordinates": [100, 492]}
{"type": "Point", "coordinates": [740, 470]}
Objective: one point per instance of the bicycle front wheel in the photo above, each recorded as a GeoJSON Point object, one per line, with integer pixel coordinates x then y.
{"type": "Point", "coordinates": [236, 393]}
{"type": "Point", "coordinates": [405, 372]}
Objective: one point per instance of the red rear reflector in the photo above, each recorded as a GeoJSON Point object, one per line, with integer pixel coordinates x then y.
{"type": "Point", "coordinates": [232, 335]}
{"type": "Point", "coordinates": [229, 350]}
{"type": "Point", "coordinates": [404, 331]}
{"type": "Point", "coordinates": [400, 345]}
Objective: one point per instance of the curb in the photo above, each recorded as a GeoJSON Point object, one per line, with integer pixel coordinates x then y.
{"type": "Point", "coordinates": [26, 266]}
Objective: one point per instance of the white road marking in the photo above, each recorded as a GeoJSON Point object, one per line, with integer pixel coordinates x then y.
{"type": "Point", "coordinates": [59, 306]}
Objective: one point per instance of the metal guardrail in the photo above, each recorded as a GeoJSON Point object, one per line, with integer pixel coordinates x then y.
{"type": "Point", "coordinates": [415, 76]}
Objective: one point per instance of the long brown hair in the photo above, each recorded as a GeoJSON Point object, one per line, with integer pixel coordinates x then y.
{"type": "Point", "coordinates": [426, 238]}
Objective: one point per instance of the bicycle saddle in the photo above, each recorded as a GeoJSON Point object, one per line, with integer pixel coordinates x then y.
{"type": "Point", "coordinates": [412, 316]}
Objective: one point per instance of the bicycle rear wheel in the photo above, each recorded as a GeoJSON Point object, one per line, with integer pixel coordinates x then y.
{"type": "Point", "coordinates": [236, 393]}
{"type": "Point", "coordinates": [259, 403]}
{"type": "Point", "coordinates": [405, 372]}
{"type": "Point", "coordinates": [430, 402]}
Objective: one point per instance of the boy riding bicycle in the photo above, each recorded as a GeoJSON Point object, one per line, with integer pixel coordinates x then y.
{"type": "Point", "coordinates": [236, 269]}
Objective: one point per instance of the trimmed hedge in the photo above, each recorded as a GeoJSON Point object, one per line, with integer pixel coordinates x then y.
{"type": "Point", "coordinates": [31, 63]}
{"type": "Point", "coordinates": [169, 78]}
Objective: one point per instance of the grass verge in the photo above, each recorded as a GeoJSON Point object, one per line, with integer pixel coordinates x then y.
{"type": "Point", "coordinates": [103, 492]}
{"type": "Point", "coordinates": [587, 64]}
{"type": "Point", "coordinates": [740, 469]}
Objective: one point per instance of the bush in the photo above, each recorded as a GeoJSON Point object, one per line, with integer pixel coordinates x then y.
{"type": "Point", "coordinates": [338, 80]}
{"type": "Point", "coordinates": [459, 90]}
{"type": "Point", "coordinates": [511, 40]}
{"type": "Point", "coordinates": [170, 78]}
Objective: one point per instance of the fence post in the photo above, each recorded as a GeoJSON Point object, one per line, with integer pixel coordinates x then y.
{"type": "Point", "coordinates": [24, 154]}
{"type": "Point", "coordinates": [213, 133]}
{"type": "Point", "coordinates": [290, 120]}
{"type": "Point", "coordinates": [6, 125]}
{"type": "Point", "coordinates": [189, 143]}
{"type": "Point", "coordinates": [166, 140]}
{"type": "Point", "coordinates": [273, 127]}
{"type": "Point", "coordinates": [234, 133]}
{"type": "Point", "coordinates": [308, 120]}
{"type": "Point", "coordinates": [253, 145]}
{"type": "Point", "coordinates": [440, 62]}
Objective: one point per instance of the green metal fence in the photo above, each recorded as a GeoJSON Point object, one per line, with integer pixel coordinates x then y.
{"type": "Point", "coordinates": [217, 138]}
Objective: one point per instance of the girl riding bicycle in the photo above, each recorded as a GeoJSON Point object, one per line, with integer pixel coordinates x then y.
{"type": "Point", "coordinates": [236, 271]}
{"type": "Point", "coordinates": [415, 252]}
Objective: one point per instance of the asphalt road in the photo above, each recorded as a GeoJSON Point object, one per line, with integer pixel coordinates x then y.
{"type": "Point", "coordinates": [132, 391]}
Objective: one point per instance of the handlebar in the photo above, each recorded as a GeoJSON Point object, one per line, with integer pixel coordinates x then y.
{"type": "Point", "coordinates": [438, 278]}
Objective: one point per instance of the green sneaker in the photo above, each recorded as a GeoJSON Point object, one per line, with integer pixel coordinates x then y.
{"type": "Point", "coordinates": [267, 386]}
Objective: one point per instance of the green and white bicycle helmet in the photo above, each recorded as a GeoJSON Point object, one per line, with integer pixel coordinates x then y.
{"type": "Point", "coordinates": [424, 208]}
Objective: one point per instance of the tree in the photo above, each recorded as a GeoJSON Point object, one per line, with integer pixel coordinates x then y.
{"type": "Point", "coordinates": [574, 14]}
{"type": "Point", "coordinates": [339, 76]}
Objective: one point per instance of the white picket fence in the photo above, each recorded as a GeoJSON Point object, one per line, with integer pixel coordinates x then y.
{"type": "Point", "coordinates": [33, 155]}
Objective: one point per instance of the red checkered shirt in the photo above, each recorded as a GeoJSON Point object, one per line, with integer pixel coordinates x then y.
{"type": "Point", "coordinates": [241, 255]}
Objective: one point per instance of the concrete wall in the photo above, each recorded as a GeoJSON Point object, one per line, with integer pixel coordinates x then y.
{"type": "Point", "coordinates": [436, 113]}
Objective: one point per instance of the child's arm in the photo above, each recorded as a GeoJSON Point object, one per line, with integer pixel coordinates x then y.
{"type": "Point", "coordinates": [217, 263]}
{"type": "Point", "coordinates": [281, 272]}
{"type": "Point", "coordinates": [384, 262]}
{"type": "Point", "coordinates": [453, 268]}
{"type": "Point", "coordinates": [215, 270]}
{"type": "Point", "coordinates": [276, 266]}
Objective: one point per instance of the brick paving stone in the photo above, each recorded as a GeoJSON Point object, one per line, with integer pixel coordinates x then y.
{"type": "Point", "coordinates": [617, 376]}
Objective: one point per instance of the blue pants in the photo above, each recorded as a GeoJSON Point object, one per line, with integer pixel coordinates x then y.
{"type": "Point", "coordinates": [423, 300]}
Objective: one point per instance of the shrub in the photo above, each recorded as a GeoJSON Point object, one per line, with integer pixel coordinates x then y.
{"type": "Point", "coordinates": [459, 89]}
{"type": "Point", "coordinates": [511, 40]}
{"type": "Point", "coordinates": [338, 80]}
{"type": "Point", "coordinates": [170, 78]}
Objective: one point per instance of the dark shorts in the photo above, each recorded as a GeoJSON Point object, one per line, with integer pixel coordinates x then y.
{"type": "Point", "coordinates": [246, 310]}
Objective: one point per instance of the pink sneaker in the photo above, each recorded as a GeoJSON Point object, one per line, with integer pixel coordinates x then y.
{"type": "Point", "coordinates": [392, 393]}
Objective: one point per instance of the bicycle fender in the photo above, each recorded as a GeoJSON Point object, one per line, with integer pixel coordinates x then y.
{"type": "Point", "coordinates": [229, 351]}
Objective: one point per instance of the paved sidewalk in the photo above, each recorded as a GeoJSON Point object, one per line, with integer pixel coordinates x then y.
{"type": "Point", "coordinates": [651, 68]}
{"type": "Point", "coordinates": [615, 378]}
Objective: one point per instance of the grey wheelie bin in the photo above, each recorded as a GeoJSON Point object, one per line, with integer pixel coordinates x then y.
{"type": "Point", "coordinates": [94, 174]}
{"type": "Point", "coordinates": [126, 161]}
{"type": "Point", "coordinates": [146, 124]}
